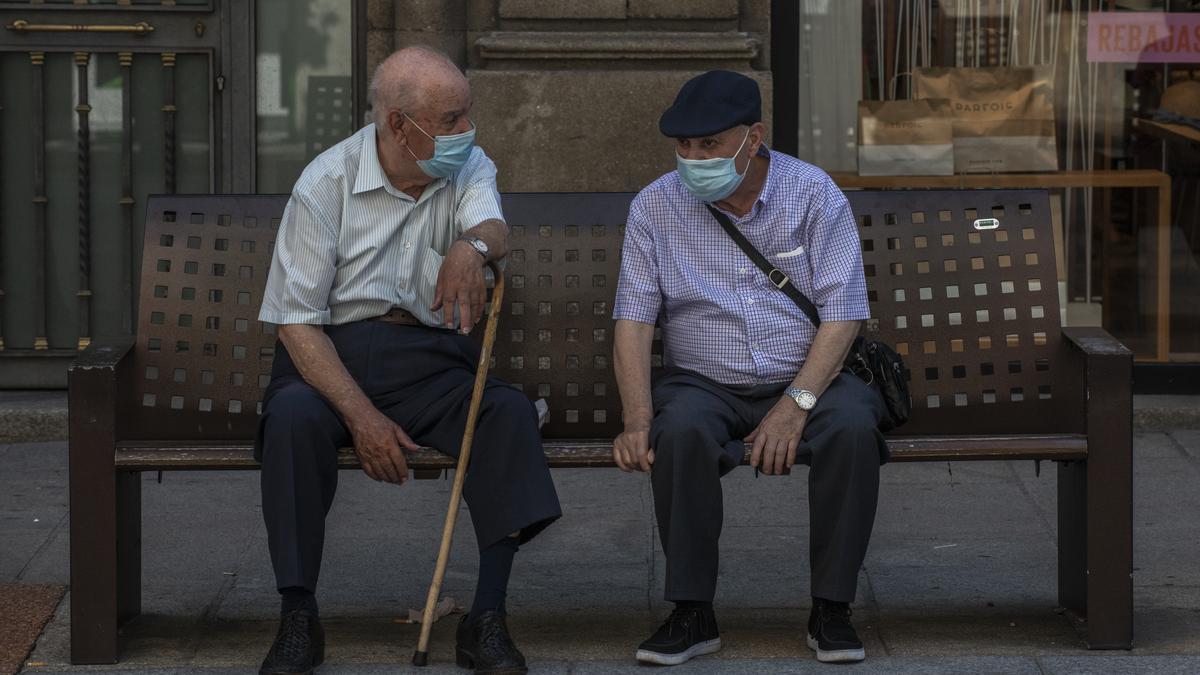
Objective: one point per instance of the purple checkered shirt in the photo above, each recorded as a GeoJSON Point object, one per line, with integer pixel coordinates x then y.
{"type": "Point", "coordinates": [720, 316]}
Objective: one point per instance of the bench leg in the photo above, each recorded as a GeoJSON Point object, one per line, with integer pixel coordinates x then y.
{"type": "Point", "coordinates": [129, 545]}
{"type": "Point", "coordinates": [1072, 538]}
{"type": "Point", "coordinates": [93, 566]}
{"type": "Point", "coordinates": [1095, 511]}
{"type": "Point", "coordinates": [1110, 539]}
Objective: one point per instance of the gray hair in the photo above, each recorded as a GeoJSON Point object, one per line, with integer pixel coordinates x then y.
{"type": "Point", "coordinates": [400, 79]}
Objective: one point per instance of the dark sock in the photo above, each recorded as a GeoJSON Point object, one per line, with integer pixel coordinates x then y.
{"type": "Point", "coordinates": [495, 564]}
{"type": "Point", "coordinates": [293, 598]}
{"type": "Point", "coordinates": [693, 604]}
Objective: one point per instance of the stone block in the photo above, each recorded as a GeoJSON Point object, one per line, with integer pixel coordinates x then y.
{"type": "Point", "coordinates": [579, 131]}
{"type": "Point", "coordinates": [452, 43]}
{"type": "Point", "coordinates": [730, 49]}
{"type": "Point", "coordinates": [379, 46]}
{"type": "Point", "coordinates": [380, 14]}
{"type": "Point", "coordinates": [562, 9]}
{"type": "Point", "coordinates": [674, 9]}
{"type": "Point", "coordinates": [430, 15]}
{"type": "Point", "coordinates": [756, 18]}
{"type": "Point", "coordinates": [481, 14]}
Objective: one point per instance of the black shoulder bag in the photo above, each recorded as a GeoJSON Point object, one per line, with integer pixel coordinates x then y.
{"type": "Point", "coordinates": [874, 362]}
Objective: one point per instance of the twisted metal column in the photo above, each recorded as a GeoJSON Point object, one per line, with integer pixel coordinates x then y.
{"type": "Point", "coordinates": [168, 62]}
{"type": "Point", "coordinates": [83, 158]}
{"type": "Point", "coordinates": [126, 201]}
{"type": "Point", "coordinates": [40, 201]}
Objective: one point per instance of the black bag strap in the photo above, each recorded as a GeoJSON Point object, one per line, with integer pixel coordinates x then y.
{"type": "Point", "coordinates": [776, 275]}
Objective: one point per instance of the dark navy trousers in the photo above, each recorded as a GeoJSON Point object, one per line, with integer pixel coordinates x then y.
{"type": "Point", "coordinates": [697, 437]}
{"type": "Point", "coordinates": [421, 378]}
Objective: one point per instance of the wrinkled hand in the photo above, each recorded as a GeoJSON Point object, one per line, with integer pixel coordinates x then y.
{"type": "Point", "coordinates": [632, 451]}
{"type": "Point", "coordinates": [777, 437]}
{"type": "Point", "coordinates": [460, 282]}
{"type": "Point", "coordinates": [378, 442]}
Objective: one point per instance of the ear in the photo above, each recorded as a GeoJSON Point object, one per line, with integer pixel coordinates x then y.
{"type": "Point", "coordinates": [395, 122]}
{"type": "Point", "coordinates": [758, 133]}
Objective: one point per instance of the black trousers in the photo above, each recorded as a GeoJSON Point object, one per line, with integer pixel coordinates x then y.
{"type": "Point", "coordinates": [421, 378]}
{"type": "Point", "coordinates": [697, 437]}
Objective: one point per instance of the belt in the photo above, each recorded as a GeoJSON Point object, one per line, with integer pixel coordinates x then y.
{"type": "Point", "coordinates": [400, 317]}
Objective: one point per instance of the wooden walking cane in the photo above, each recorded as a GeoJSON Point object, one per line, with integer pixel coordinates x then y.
{"type": "Point", "coordinates": [421, 656]}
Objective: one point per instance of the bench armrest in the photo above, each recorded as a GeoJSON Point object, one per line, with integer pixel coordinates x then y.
{"type": "Point", "coordinates": [92, 401]}
{"type": "Point", "coordinates": [103, 355]}
{"type": "Point", "coordinates": [1095, 342]}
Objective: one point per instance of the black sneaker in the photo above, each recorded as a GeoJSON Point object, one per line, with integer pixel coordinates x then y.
{"type": "Point", "coordinates": [686, 633]}
{"type": "Point", "coordinates": [483, 643]}
{"type": "Point", "coordinates": [299, 645]}
{"type": "Point", "coordinates": [831, 635]}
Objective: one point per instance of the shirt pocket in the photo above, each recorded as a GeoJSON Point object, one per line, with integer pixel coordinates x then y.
{"type": "Point", "coordinates": [788, 256]}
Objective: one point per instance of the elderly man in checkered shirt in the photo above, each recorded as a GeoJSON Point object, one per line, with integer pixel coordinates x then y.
{"type": "Point", "coordinates": [743, 364]}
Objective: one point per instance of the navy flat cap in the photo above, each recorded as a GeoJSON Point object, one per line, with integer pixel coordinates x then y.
{"type": "Point", "coordinates": [711, 103]}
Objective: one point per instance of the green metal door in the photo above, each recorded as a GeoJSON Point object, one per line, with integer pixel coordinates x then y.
{"type": "Point", "coordinates": [101, 104]}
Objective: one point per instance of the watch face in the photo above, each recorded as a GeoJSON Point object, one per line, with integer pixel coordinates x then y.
{"type": "Point", "coordinates": [479, 245]}
{"type": "Point", "coordinates": [807, 400]}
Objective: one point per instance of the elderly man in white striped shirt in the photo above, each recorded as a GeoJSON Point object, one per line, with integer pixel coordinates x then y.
{"type": "Point", "coordinates": [376, 280]}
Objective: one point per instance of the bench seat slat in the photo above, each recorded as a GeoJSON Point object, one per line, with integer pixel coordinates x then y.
{"type": "Point", "coordinates": [148, 456]}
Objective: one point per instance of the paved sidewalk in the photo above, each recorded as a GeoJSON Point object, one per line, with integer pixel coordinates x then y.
{"type": "Point", "coordinates": [960, 577]}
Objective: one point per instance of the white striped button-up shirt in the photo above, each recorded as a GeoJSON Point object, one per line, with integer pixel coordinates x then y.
{"type": "Point", "coordinates": [720, 315]}
{"type": "Point", "coordinates": [351, 246]}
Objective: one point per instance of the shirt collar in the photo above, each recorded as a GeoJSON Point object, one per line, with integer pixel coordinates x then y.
{"type": "Point", "coordinates": [370, 173]}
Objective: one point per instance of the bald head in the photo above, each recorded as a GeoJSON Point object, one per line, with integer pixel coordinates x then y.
{"type": "Point", "coordinates": [412, 79]}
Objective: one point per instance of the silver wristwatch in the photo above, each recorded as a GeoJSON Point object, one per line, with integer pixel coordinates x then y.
{"type": "Point", "coordinates": [804, 398]}
{"type": "Point", "coordinates": [478, 244]}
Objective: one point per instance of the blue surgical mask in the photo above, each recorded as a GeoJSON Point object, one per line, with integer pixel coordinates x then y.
{"type": "Point", "coordinates": [450, 153]}
{"type": "Point", "coordinates": [711, 180]}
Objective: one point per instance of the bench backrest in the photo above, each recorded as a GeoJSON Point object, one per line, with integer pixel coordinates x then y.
{"type": "Point", "coordinates": [974, 312]}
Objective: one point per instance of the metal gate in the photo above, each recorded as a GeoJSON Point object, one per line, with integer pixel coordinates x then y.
{"type": "Point", "coordinates": [102, 104]}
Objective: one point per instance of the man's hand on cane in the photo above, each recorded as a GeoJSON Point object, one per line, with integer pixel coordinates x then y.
{"type": "Point", "coordinates": [460, 282]}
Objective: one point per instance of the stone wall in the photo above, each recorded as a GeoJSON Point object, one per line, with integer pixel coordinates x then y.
{"type": "Point", "coordinates": [568, 92]}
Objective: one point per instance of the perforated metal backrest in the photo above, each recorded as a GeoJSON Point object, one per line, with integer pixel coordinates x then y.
{"type": "Point", "coordinates": [555, 339]}
{"type": "Point", "coordinates": [975, 312]}
{"type": "Point", "coordinates": [202, 358]}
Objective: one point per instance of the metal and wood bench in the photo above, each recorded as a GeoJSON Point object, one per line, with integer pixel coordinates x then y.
{"type": "Point", "coordinates": [975, 313]}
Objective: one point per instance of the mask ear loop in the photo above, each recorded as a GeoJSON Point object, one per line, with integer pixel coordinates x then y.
{"type": "Point", "coordinates": [409, 147]}
{"type": "Point", "coordinates": [750, 161]}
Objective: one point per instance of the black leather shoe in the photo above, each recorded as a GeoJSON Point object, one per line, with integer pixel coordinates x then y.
{"type": "Point", "coordinates": [831, 635]}
{"type": "Point", "coordinates": [484, 644]}
{"type": "Point", "coordinates": [299, 645]}
{"type": "Point", "coordinates": [685, 634]}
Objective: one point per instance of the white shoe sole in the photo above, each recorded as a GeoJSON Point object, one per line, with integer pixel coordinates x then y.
{"type": "Point", "coordinates": [698, 649]}
{"type": "Point", "coordinates": [835, 656]}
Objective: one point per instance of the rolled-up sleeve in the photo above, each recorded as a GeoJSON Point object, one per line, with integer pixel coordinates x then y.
{"type": "Point", "coordinates": [639, 295]}
{"type": "Point", "coordinates": [480, 199]}
{"type": "Point", "coordinates": [839, 287]}
{"type": "Point", "coordinates": [303, 265]}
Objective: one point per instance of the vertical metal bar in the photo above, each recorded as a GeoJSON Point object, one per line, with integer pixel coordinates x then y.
{"type": "Point", "coordinates": [126, 201]}
{"type": "Point", "coordinates": [1072, 536]}
{"type": "Point", "coordinates": [358, 61]}
{"type": "Point", "coordinates": [1, 232]}
{"type": "Point", "coordinates": [38, 60]}
{"type": "Point", "coordinates": [168, 62]}
{"type": "Point", "coordinates": [94, 500]}
{"type": "Point", "coordinates": [129, 545]}
{"type": "Point", "coordinates": [1162, 338]}
{"type": "Point", "coordinates": [83, 157]}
